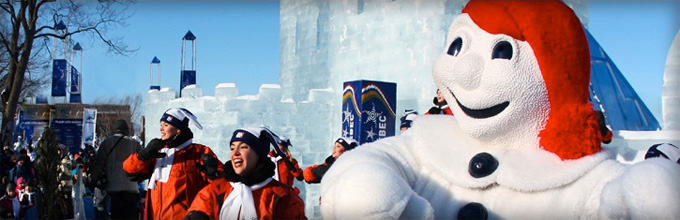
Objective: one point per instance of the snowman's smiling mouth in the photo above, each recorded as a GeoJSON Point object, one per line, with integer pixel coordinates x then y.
{"type": "Point", "coordinates": [482, 113]}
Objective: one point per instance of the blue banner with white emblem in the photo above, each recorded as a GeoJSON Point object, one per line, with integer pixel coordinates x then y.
{"type": "Point", "coordinates": [368, 110]}
{"type": "Point", "coordinates": [74, 92]}
{"type": "Point", "coordinates": [188, 77]}
{"type": "Point", "coordinates": [59, 71]}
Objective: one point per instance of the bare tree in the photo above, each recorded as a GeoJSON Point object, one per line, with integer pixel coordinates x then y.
{"type": "Point", "coordinates": [26, 28]}
{"type": "Point", "coordinates": [135, 101]}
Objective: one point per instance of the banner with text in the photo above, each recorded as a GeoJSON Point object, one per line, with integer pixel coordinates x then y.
{"type": "Point", "coordinates": [68, 125]}
{"type": "Point", "coordinates": [368, 110]}
{"type": "Point", "coordinates": [33, 120]}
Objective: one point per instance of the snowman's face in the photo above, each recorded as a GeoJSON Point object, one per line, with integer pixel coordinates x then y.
{"type": "Point", "coordinates": [493, 84]}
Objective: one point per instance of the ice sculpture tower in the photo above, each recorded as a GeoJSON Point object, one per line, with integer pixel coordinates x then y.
{"type": "Point", "coordinates": [671, 88]}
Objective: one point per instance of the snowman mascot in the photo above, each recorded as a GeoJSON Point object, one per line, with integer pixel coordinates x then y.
{"type": "Point", "coordinates": [524, 142]}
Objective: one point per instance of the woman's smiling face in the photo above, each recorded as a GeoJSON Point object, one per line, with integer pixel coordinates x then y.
{"type": "Point", "coordinates": [168, 131]}
{"type": "Point", "coordinates": [243, 158]}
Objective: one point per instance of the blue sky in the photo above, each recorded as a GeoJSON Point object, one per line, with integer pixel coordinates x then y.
{"type": "Point", "coordinates": [239, 42]}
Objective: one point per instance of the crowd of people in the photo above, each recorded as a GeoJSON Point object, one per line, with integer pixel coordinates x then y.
{"type": "Point", "coordinates": [19, 181]}
{"type": "Point", "coordinates": [174, 177]}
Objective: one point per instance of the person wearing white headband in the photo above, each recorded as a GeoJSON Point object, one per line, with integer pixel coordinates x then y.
{"type": "Point", "coordinates": [174, 165]}
{"type": "Point", "coordinates": [248, 190]}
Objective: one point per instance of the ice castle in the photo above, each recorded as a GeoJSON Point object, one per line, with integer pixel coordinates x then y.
{"type": "Point", "coordinates": [323, 44]}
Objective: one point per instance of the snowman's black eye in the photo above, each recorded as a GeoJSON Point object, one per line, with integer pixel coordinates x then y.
{"type": "Point", "coordinates": [502, 50]}
{"type": "Point", "coordinates": [455, 47]}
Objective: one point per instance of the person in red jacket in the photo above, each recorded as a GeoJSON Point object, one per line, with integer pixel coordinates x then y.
{"type": "Point", "coordinates": [287, 167]}
{"type": "Point", "coordinates": [173, 164]}
{"type": "Point", "coordinates": [248, 190]}
{"type": "Point", "coordinates": [441, 107]}
{"type": "Point", "coordinates": [314, 173]}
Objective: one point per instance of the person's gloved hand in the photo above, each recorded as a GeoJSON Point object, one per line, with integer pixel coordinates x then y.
{"type": "Point", "coordinates": [289, 164]}
{"type": "Point", "coordinates": [209, 166]}
{"type": "Point", "coordinates": [330, 160]}
{"type": "Point", "coordinates": [434, 111]}
{"type": "Point", "coordinates": [151, 150]}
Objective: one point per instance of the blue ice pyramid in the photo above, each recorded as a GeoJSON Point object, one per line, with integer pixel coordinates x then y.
{"type": "Point", "coordinates": [611, 93]}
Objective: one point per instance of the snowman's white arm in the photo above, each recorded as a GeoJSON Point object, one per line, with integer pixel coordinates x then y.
{"type": "Point", "coordinates": [646, 190]}
{"type": "Point", "coordinates": [370, 183]}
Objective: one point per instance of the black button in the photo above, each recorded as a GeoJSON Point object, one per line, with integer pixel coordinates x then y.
{"type": "Point", "coordinates": [473, 210]}
{"type": "Point", "coordinates": [482, 164]}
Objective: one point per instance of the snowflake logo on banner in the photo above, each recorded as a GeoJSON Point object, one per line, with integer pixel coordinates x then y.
{"type": "Point", "coordinates": [372, 116]}
{"type": "Point", "coordinates": [346, 114]}
{"type": "Point", "coordinates": [370, 134]}
{"type": "Point", "coordinates": [345, 133]}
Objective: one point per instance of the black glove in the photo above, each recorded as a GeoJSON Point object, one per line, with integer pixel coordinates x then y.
{"type": "Point", "coordinates": [434, 111]}
{"type": "Point", "coordinates": [151, 150]}
{"type": "Point", "coordinates": [209, 166]}
{"type": "Point", "coordinates": [330, 160]}
{"type": "Point", "coordinates": [289, 164]}
{"type": "Point", "coordinates": [196, 215]}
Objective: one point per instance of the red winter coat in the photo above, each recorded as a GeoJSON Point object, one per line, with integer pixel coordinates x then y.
{"type": "Point", "coordinates": [285, 175]}
{"type": "Point", "coordinates": [171, 200]}
{"type": "Point", "coordinates": [273, 201]}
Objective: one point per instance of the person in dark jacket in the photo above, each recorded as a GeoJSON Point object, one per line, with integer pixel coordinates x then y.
{"type": "Point", "coordinates": [23, 169]}
{"type": "Point", "coordinates": [314, 173]}
{"type": "Point", "coordinates": [10, 202]}
{"type": "Point", "coordinates": [108, 164]}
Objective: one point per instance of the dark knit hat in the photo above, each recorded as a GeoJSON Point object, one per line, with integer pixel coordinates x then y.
{"type": "Point", "coordinates": [179, 118]}
{"type": "Point", "coordinates": [347, 142]}
{"type": "Point", "coordinates": [10, 187]}
{"type": "Point", "coordinates": [24, 158]}
{"type": "Point", "coordinates": [121, 127]}
{"type": "Point", "coordinates": [258, 138]}
{"type": "Point", "coordinates": [666, 150]}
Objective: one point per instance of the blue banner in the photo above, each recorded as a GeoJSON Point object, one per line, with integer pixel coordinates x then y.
{"type": "Point", "coordinates": [41, 100]}
{"type": "Point", "coordinates": [67, 124]}
{"type": "Point", "coordinates": [74, 98]}
{"type": "Point", "coordinates": [188, 77]}
{"type": "Point", "coordinates": [368, 110]}
{"type": "Point", "coordinates": [33, 120]}
{"type": "Point", "coordinates": [59, 71]}
{"type": "Point", "coordinates": [75, 81]}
